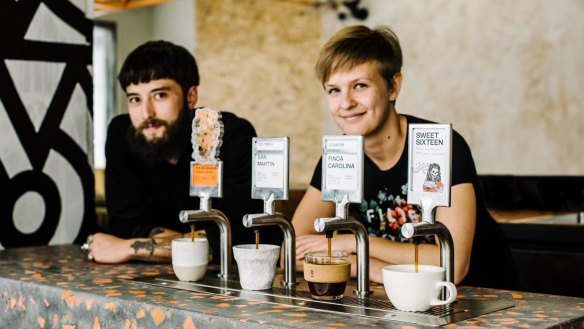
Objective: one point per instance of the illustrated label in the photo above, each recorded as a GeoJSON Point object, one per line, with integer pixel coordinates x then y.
{"type": "Point", "coordinates": [429, 163]}
{"type": "Point", "coordinates": [207, 135]}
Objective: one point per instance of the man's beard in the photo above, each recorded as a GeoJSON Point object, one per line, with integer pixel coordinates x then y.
{"type": "Point", "coordinates": [169, 146]}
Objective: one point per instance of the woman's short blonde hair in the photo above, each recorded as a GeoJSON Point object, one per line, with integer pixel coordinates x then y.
{"type": "Point", "coordinates": [355, 45]}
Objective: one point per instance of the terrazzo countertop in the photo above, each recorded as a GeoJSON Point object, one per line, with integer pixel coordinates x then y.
{"type": "Point", "coordinates": [56, 287]}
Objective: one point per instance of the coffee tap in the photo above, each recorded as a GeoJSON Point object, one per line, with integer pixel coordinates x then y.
{"type": "Point", "coordinates": [344, 222]}
{"type": "Point", "coordinates": [270, 217]}
{"type": "Point", "coordinates": [205, 213]}
{"type": "Point", "coordinates": [428, 226]}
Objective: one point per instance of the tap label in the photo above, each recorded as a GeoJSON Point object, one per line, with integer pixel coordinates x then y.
{"type": "Point", "coordinates": [342, 168]}
{"type": "Point", "coordinates": [206, 169]}
{"type": "Point", "coordinates": [429, 163]}
{"type": "Point", "coordinates": [270, 168]}
{"type": "Point", "coordinates": [204, 175]}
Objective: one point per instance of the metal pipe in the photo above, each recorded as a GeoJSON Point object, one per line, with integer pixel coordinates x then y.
{"type": "Point", "coordinates": [362, 247]}
{"type": "Point", "coordinates": [193, 216]}
{"type": "Point", "coordinates": [289, 241]}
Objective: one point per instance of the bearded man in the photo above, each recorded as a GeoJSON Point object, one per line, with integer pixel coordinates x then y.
{"type": "Point", "coordinates": [148, 154]}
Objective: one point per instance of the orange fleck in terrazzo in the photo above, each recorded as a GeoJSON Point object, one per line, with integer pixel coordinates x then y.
{"type": "Point", "coordinates": [140, 314]}
{"type": "Point", "coordinates": [102, 280]}
{"type": "Point", "coordinates": [110, 306]}
{"type": "Point", "coordinates": [223, 305]}
{"type": "Point", "coordinates": [41, 322]}
{"type": "Point", "coordinates": [516, 296]}
{"type": "Point", "coordinates": [89, 304]}
{"type": "Point", "coordinates": [96, 324]}
{"type": "Point", "coordinates": [157, 316]}
{"type": "Point", "coordinates": [70, 301]}
{"type": "Point", "coordinates": [65, 294]}
{"type": "Point", "coordinates": [270, 311]}
{"type": "Point", "coordinates": [21, 305]}
{"type": "Point", "coordinates": [296, 315]}
{"type": "Point", "coordinates": [188, 323]}
{"type": "Point", "coordinates": [149, 273]}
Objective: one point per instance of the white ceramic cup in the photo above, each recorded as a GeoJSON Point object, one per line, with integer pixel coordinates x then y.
{"type": "Point", "coordinates": [190, 259]}
{"type": "Point", "coordinates": [416, 292]}
{"type": "Point", "coordinates": [257, 267]}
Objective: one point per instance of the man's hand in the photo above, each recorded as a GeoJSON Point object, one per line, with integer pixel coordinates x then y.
{"type": "Point", "coordinates": [109, 249]}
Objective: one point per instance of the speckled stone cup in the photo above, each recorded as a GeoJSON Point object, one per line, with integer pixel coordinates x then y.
{"type": "Point", "coordinates": [257, 267]}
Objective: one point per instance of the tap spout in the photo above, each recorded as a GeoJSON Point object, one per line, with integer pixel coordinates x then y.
{"type": "Point", "coordinates": [362, 241]}
{"type": "Point", "coordinates": [283, 222]}
{"type": "Point", "coordinates": [410, 230]}
{"type": "Point", "coordinates": [193, 216]}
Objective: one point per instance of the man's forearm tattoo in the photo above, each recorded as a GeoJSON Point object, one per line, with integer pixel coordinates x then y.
{"type": "Point", "coordinates": [149, 246]}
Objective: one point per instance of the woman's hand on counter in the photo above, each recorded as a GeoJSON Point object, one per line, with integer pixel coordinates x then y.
{"type": "Point", "coordinates": [318, 242]}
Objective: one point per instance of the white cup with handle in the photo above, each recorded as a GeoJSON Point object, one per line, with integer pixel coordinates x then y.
{"type": "Point", "coordinates": [413, 291]}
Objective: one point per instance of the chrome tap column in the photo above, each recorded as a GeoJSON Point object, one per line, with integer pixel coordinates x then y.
{"type": "Point", "coordinates": [344, 222]}
{"type": "Point", "coordinates": [207, 179]}
{"type": "Point", "coordinates": [270, 183]}
{"type": "Point", "coordinates": [432, 227]}
{"type": "Point", "coordinates": [342, 183]}
{"type": "Point", "coordinates": [429, 182]}
{"type": "Point", "coordinates": [204, 214]}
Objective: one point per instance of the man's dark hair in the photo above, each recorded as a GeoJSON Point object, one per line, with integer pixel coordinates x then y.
{"type": "Point", "coordinates": [155, 60]}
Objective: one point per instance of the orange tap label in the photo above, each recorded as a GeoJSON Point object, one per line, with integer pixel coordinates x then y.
{"type": "Point", "coordinates": [204, 175]}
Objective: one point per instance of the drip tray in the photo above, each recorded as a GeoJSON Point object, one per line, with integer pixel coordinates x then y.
{"type": "Point", "coordinates": [377, 306]}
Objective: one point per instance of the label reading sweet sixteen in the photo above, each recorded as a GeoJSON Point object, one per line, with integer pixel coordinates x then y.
{"type": "Point", "coordinates": [429, 138]}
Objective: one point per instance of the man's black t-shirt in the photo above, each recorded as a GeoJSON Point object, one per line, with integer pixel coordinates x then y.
{"type": "Point", "coordinates": [141, 196]}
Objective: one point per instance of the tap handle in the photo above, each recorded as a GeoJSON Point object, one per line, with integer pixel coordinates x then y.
{"type": "Point", "coordinates": [186, 216]}
{"type": "Point", "coordinates": [251, 219]}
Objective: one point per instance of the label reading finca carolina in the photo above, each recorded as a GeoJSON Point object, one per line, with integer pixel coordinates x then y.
{"type": "Point", "coordinates": [341, 162]}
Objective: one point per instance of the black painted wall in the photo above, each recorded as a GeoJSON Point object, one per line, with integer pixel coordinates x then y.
{"type": "Point", "coordinates": [38, 142]}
